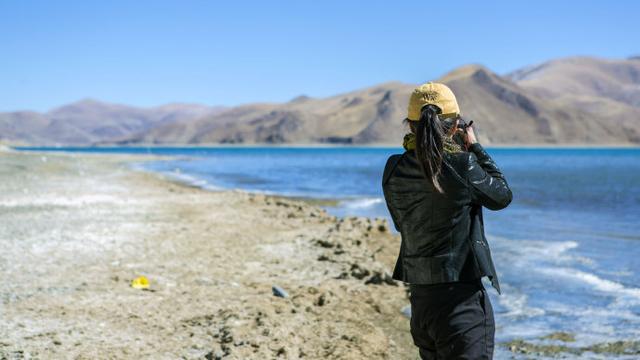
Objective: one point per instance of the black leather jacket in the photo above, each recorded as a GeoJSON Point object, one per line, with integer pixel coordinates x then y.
{"type": "Point", "coordinates": [443, 234]}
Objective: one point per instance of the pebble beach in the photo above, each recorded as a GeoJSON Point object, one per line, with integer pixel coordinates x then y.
{"type": "Point", "coordinates": [231, 274]}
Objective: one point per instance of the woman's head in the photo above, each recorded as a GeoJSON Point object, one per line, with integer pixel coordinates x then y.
{"type": "Point", "coordinates": [432, 94]}
{"type": "Point", "coordinates": [449, 125]}
{"type": "Point", "coordinates": [429, 128]}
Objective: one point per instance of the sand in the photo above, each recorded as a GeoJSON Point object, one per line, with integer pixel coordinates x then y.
{"type": "Point", "coordinates": [76, 229]}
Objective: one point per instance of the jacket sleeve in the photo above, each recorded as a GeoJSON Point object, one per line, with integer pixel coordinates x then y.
{"type": "Point", "coordinates": [388, 170]}
{"type": "Point", "coordinates": [394, 219]}
{"type": "Point", "coordinates": [486, 182]}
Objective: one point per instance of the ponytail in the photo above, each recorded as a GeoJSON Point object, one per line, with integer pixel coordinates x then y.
{"type": "Point", "coordinates": [429, 144]}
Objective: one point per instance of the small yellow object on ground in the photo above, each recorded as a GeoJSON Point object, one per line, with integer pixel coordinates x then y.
{"type": "Point", "coordinates": [140, 283]}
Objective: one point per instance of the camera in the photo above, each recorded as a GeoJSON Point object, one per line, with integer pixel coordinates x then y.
{"type": "Point", "coordinates": [462, 125]}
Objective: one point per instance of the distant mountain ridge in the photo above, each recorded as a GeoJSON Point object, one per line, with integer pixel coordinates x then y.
{"type": "Point", "coordinates": [90, 121]}
{"type": "Point", "coordinates": [578, 100]}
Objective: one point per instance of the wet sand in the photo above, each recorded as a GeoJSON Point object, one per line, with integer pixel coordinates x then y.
{"type": "Point", "coordinates": [76, 229]}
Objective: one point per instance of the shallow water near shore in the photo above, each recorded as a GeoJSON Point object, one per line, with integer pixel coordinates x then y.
{"type": "Point", "coordinates": [566, 249]}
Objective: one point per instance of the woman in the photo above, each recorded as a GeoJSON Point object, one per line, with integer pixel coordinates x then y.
{"type": "Point", "coordinates": [435, 192]}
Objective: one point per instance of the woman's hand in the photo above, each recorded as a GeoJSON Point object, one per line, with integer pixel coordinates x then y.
{"type": "Point", "coordinates": [468, 135]}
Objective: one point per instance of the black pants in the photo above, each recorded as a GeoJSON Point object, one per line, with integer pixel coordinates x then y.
{"type": "Point", "coordinates": [452, 321]}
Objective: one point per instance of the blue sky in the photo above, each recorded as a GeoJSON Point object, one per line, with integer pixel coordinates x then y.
{"type": "Point", "coordinates": [148, 53]}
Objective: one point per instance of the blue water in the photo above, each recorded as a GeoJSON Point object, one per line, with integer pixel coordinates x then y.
{"type": "Point", "coordinates": [567, 249]}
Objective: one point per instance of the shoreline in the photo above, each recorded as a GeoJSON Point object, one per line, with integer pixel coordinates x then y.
{"type": "Point", "coordinates": [192, 183]}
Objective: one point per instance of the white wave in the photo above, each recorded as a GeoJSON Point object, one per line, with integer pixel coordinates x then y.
{"type": "Point", "coordinates": [360, 203]}
{"type": "Point", "coordinates": [598, 283]}
{"type": "Point", "coordinates": [534, 247]}
{"type": "Point", "coordinates": [527, 253]}
{"type": "Point", "coordinates": [515, 304]}
{"type": "Point", "coordinates": [598, 317]}
{"type": "Point", "coordinates": [190, 180]}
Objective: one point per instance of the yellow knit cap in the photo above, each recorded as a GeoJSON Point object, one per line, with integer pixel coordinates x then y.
{"type": "Point", "coordinates": [432, 94]}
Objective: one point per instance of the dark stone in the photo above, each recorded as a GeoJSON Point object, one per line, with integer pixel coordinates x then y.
{"type": "Point", "coordinates": [324, 243]}
{"type": "Point", "coordinates": [322, 299]}
{"type": "Point", "coordinates": [279, 292]}
{"type": "Point", "coordinates": [343, 275]}
{"type": "Point", "coordinates": [358, 272]}
{"type": "Point", "coordinates": [379, 279]}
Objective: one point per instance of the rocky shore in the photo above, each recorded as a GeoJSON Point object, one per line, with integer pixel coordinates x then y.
{"type": "Point", "coordinates": [78, 228]}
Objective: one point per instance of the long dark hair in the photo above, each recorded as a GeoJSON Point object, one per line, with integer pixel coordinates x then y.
{"type": "Point", "coordinates": [429, 132]}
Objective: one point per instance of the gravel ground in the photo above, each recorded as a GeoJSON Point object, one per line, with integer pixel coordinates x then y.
{"type": "Point", "coordinates": [76, 229]}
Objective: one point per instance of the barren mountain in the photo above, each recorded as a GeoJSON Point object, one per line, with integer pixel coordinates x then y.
{"type": "Point", "coordinates": [506, 113]}
{"type": "Point", "coordinates": [617, 80]}
{"type": "Point", "coordinates": [567, 101]}
{"type": "Point", "coordinates": [363, 116]}
{"type": "Point", "coordinates": [506, 110]}
{"type": "Point", "coordinates": [608, 90]}
{"type": "Point", "coordinates": [23, 127]}
{"type": "Point", "coordinates": [90, 121]}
